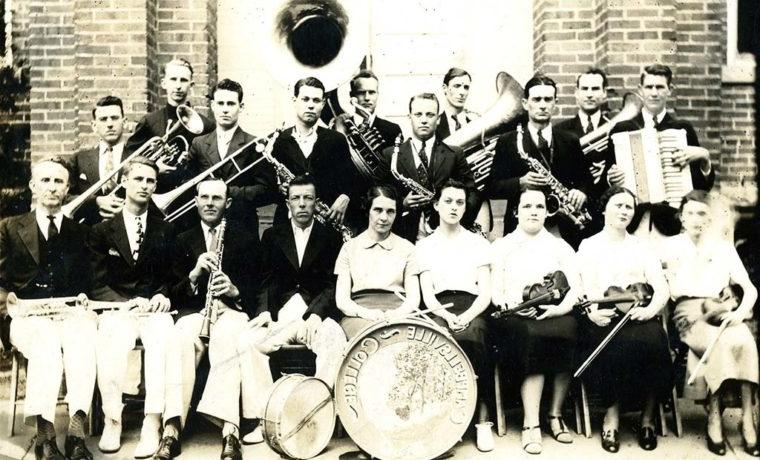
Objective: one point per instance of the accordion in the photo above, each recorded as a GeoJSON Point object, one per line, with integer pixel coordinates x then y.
{"type": "Point", "coordinates": [646, 158]}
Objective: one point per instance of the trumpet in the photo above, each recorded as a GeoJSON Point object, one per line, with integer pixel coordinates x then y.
{"type": "Point", "coordinates": [49, 307]}
{"type": "Point", "coordinates": [599, 138]}
{"type": "Point", "coordinates": [187, 117]}
{"type": "Point", "coordinates": [210, 310]}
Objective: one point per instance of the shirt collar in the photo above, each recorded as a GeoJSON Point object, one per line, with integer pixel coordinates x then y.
{"type": "Point", "coordinates": [42, 218]}
{"type": "Point", "coordinates": [648, 116]}
{"type": "Point", "coordinates": [103, 147]}
{"type": "Point", "coordinates": [128, 216]}
{"type": "Point", "coordinates": [312, 132]}
{"type": "Point", "coordinates": [546, 132]}
{"type": "Point", "coordinates": [596, 118]}
{"type": "Point", "coordinates": [366, 242]}
{"type": "Point", "coordinates": [358, 119]}
{"type": "Point", "coordinates": [226, 134]}
{"type": "Point", "coordinates": [297, 229]}
{"type": "Point", "coordinates": [418, 143]}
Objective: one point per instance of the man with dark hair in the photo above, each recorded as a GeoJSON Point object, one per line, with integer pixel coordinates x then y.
{"type": "Point", "coordinates": [250, 190]}
{"type": "Point", "coordinates": [557, 151]}
{"type": "Point", "coordinates": [426, 160]}
{"type": "Point", "coordinates": [321, 152]}
{"type": "Point", "coordinates": [456, 89]}
{"type": "Point", "coordinates": [43, 254]}
{"type": "Point", "coordinates": [655, 88]}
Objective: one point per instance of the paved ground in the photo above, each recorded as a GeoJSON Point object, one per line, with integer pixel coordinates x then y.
{"type": "Point", "coordinates": [205, 443]}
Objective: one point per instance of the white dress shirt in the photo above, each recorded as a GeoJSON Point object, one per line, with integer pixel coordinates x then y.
{"type": "Point", "coordinates": [649, 118]}
{"type": "Point", "coordinates": [358, 119]}
{"type": "Point", "coordinates": [116, 152]}
{"type": "Point", "coordinates": [417, 145]}
{"type": "Point", "coordinates": [596, 118]}
{"type": "Point", "coordinates": [306, 141]}
{"type": "Point", "coordinates": [546, 132]}
{"type": "Point", "coordinates": [207, 235]}
{"type": "Point", "coordinates": [130, 222]}
{"type": "Point", "coordinates": [453, 262]}
{"type": "Point", "coordinates": [223, 139]}
{"type": "Point", "coordinates": [301, 236]}
{"type": "Point", "coordinates": [43, 222]}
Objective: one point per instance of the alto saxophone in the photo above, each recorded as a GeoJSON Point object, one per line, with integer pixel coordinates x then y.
{"type": "Point", "coordinates": [558, 192]}
{"type": "Point", "coordinates": [210, 309]}
{"type": "Point", "coordinates": [284, 176]}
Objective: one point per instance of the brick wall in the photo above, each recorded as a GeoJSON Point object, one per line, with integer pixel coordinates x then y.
{"type": "Point", "coordinates": [738, 168]}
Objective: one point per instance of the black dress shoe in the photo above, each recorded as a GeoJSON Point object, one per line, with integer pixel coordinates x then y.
{"type": "Point", "coordinates": [717, 448]}
{"type": "Point", "coordinates": [168, 448]}
{"type": "Point", "coordinates": [48, 450]}
{"type": "Point", "coordinates": [610, 441]}
{"type": "Point", "coordinates": [76, 449]}
{"type": "Point", "coordinates": [647, 438]}
{"type": "Point", "coordinates": [231, 448]}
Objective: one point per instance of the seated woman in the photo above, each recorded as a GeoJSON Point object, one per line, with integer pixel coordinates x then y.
{"type": "Point", "coordinates": [635, 366]}
{"type": "Point", "coordinates": [699, 266]}
{"type": "Point", "coordinates": [374, 266]}
{"type": "Point", "coordinates": [540, 341]}
{"type": "Point", "coordinates": [455, 268]}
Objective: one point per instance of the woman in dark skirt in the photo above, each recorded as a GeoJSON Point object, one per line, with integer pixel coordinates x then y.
{"type": "Point", "coordinates": [540, 341]}
{"type": "Point", "coordinates": [635, 367]}
{"type": "Point", "coordinates": [455, 268]}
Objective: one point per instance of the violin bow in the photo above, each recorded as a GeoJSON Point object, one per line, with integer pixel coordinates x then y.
{"type": "Point", "coordinates": [706, 354]}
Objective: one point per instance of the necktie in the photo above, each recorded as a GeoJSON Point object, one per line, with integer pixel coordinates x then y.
{"type": "Point", "coordinates": [140, 237]}
{"type": "Point", "coordinates": [422, 169]}
{"type": "Point", "coordinates": [457, 124]}
{"type": "Point", "coordinates": [111, 184]}
{"type": "Point", "coordinates": [656, 123]}
{"type": "Point", "coordinates": [213, 241]}
{"type": "Point", "coordinates": [589, 125]}
{"type": "Point", "coordinates": [544, 150]}
{"type": "Point", "coordinates": [52, 229]}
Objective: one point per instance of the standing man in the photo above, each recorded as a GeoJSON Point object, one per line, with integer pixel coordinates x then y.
{"type": "Point", "coordinates": [321, 152]}
{"type": "Point", "coordinates": [655, 88]}
{"type": "Point", "coordinates": [252, 189]}
{"type": "Point", "coordinates": [429, 162]}
{"type": "Point", "coordinates": [557, 151]}
{"type": "Point", "coordinates": [130, 259]}
{"type": "Point", "coordinates": [93, 164]}
{"type": "Point", "coordinates": [233, 290]}
{"type": "Point", "coordinates": [365, 89]}
{"type": "Point", "coordinates": [456, 89]}
{"type": "Point", "coordinates": [43, 254]}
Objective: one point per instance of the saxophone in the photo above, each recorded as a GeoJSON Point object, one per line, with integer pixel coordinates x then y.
{"type": "Point", "coordinates": [558, 193]}
{"type": "Point", "coordinates": [284, 176]}
{"type": "Point", "coordinates": [210, 309]}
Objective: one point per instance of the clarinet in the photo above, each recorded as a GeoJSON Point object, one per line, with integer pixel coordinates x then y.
{"type": "Point", "coordinates": [557, 191]}
{"type": "Point", "coordinates": [210, 310]}
{"type": "Point", "coordinates": [284, 176]}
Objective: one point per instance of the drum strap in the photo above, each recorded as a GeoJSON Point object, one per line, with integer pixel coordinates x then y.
{"type": "Point", "coordinates": [306, 419]}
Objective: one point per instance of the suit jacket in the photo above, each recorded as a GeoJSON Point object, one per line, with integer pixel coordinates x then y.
{"type": "Point", "coordinates": [446, 163]}
{"type": "Point", "coordinates": [117, 276]}
{"type": "Point", "coordinates": [313, 279]}
{"type": "Point", "coordinates": [240, 262]}
{"type": "Point", "coordinates": [329, 164]}
{"type": "Point", "coordinates": [574, 127]}
{"type": "Point", "coordinates": [85, 173]}
{"type": "Point", "coordinates": [569, 167]}
{"type": "Point", "coordinates": [388, 130]}
{"type": "Point", "coordinates": [444, 130]}
{"type": "Point", "coordinates": [20, 258]}
{"type": "Point", "coordinates": [249, 191]}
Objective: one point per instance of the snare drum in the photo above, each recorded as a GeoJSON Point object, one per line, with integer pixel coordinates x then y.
{"type": "Point", "coordinates": [405, 390]}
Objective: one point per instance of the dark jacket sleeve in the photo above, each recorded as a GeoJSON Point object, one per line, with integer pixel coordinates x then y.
{"type": "Point", "coordinates": [143, 133]}
{"type": "Point", "coordinates": [98, 245]}
{"type": "Point", "coordinates": [180, 291]}
{"type": "Point", "coordinates": [698, 179]}
{"type": "Point", "coordinates": [581, 173]}
{"type": "Point", "coordinates": [504, 183]}
{"type": "Point", "coordinates": [266, 272]}
{"type": "Point", "coordinates": [323, 304]}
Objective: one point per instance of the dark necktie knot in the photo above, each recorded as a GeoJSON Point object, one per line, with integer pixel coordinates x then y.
{"type": "Point", "coordinates": [52, 229]}
{"type": "Point", "coordinates": [589, 124]}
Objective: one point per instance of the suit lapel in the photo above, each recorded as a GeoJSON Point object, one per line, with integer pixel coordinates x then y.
{"type": "Point", "coordinates": [439, 155]}
{"type": "Point", "coordinates": [198, 242]}
{"type": "Point", "coordinates": [297, 157]}
{"type": "Point", "coordinates": [406, 161]}
{"type": "Point", "coordinates": [287, 242]}
{"type": "Point", "coordinates": [28, 233]}
{"type": "Point", "coordinates": [121, 240]}
{"type": "Point", "coordinates": [313, 246]}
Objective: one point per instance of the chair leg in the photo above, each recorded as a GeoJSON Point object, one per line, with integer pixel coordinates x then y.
{"type": "Point", "coordinates": [586, 411]}
{"type": "Point", "coordinates": [501, 421]}
{"type": "Point", "coordinates": [661, 421]}
{"type": "Point", "coordinates": [13, 394]}
{"type": "Point", "coordinates": [677, 414]}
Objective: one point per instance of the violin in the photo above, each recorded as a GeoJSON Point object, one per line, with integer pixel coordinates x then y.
{"type": "Point", "coordinates": [551, 291]}
{"type": "Point", "coordinates": [728, 300]}
{"type": "Point", "coordinates": [622, 300]}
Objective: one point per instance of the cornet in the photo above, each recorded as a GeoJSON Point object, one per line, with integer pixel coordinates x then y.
{"type": "Point", "coordinates": [49, 307]}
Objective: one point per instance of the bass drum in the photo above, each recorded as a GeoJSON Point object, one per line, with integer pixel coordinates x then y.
{"type": "Point", "coordinates": [405, 390]}
{"type": "Point", "coordinates": [299, 418]}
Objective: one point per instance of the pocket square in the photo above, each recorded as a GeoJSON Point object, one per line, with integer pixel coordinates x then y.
{"type": "Point", "coordinates": [83, 176]}
{"type": "Point", "coordinates": [113, 252]}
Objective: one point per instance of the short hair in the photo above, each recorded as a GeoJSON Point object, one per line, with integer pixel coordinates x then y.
{"type": "Point", "coordinates": [362, 74]}
{"type": "Point", "coordinates": [308, 81]}
{"type": "Point", "coordinates": [228, 85]}
{"type": "Point", "coordinates": [59, 160]}
{"type": "Point", "coordinates": [179, 62]}
{"type": "Point", "coordinates": [139, 160]}
{"type": "Point", "coordinates": [211, 179]}
{"type": "Point", "coordinates": [700, 196]}
{"type": "Point", "coordinates": [380, 190]}
{"type": "Point", "coordinates": [592, 71]}
{"type": "Point", "coordinates": [455, 72]}
{"type": "Point", "coordinates": [539, 79]}
{"type": "Point", "coordinates": [657, 69]}
{"type": "Point", "coordinates": [427, 96]}
{"type": "Point", "coordinates": [303, 179]}
{"type": "Point", "coordinates": [612, 191]}
{"type": "Point", "coordinates": [450, 183]}
{"type": "Point", "coordinates": [106, 101]}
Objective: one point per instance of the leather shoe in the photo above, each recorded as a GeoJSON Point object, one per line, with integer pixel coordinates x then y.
{"type": "Point", "coordinates": [610, 441]}
{"type": "Point", "coordinates": [48, 450]}
{"type": "Point", "coordinates": [231, 448]}
{"type": "Point", "coordinates": [647, 438]}
{"type": "Point", "coordinates": [76, 449]}
{"type": "Point", "coordinates": [168, 448]}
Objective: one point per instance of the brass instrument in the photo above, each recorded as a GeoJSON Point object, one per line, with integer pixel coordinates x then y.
{"type": "Point", "coordinates": [411, 184]}
{"type": "Point", "coordinates": [558, 200]}
{"type": "Point", "coordinates": [210, 309]}
{"type": "Point", "coordinates": [49, 307]}
{"type": "Point", "coordinates": [599, 138]}
{"type": "Point", "coordinates": [284, 176]}
{"type": "Point", "coordinates": [364, 143]}
{"type": "Point", "coordinates": [187, 117]}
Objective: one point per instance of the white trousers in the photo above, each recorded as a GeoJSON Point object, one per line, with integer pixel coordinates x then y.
{"type": "Point", "coordinates": [52, 346]}
{"type": "Point", "coordinates": [221, 396]}
{"type": "Point", "coordinates": [328, 345]}
{"type": "Point", "coordinates": [117, 334]}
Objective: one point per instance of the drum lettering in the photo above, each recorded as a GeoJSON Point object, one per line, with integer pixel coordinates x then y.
{"type": "Point", "coordinates": [445, 350]}
{"type": "Point", "coordinates": [385, 335]}
{"type": "Point", "coordinates": [350, 389]}
{"type": "Point", "coordinates": [410, 332]}
{"type": "Point", "coordinates": [371, 345]}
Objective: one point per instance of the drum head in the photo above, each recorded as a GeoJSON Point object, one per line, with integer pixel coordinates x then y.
{"type": "Point", "coordinates": [405, 390]}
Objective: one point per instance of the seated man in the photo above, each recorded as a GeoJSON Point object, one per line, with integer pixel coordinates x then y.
{"type": "Point", "coordinates": [297, 300]}
{"type": "Point", "coordinates": [232, 285]}
{"type": "Point", "coordinates": [129, 257]}
{"type": "Point", "coordinates": [43, 254]}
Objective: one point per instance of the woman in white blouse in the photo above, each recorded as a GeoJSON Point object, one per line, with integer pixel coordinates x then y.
{"type": "Point", "coordinates": [539, 342]}
{"type": "Point", "coordinates": [375, 266]}
{"type": "Point", "coordinates": [635, 367]}
{"type": "Point", "coordinates": [699, 266]}
{"type": "Point", "coordinates": [455, 268]}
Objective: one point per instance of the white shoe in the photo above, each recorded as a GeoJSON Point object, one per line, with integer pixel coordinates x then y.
{"type": "Point", "coordinates": [149, 439]}
{"type": "Point", "coordinates": [484, 439]}
{"type": "Point", "coordinates": [254, 437]}
{"type": "Point", "coordinates": [110, 440]}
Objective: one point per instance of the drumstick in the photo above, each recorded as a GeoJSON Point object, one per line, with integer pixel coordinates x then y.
{"type": "Point", "coordinates": [707, 353]}
{"type": "Point", "coordinates": [421, 312]}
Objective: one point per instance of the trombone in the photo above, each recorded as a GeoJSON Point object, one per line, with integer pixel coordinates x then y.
{"type": "Point", "coordinates": [187, 117]}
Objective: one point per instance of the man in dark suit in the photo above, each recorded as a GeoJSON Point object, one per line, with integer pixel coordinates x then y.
{"type": "Point", "coordinates": [655, 89]}
{"type": "Point", "coordinates": [426, 160]}
{"type": "Point", "coordinates": [558, 152]}
{"type": "Point", "coordinates": [306, 148]}
{"type": "Point", "coordinates": [456, 89]}
{"type": "Point", "coordinates": [43, 254]}
{"type": "Point", "coordinates": [297, 299]}
{"type": "Point", "coordinates": [234, 289]}
{"type": "Point", "coordinates": [250, 190]}
{"type": "Point", "coordinates": [130, 258]}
